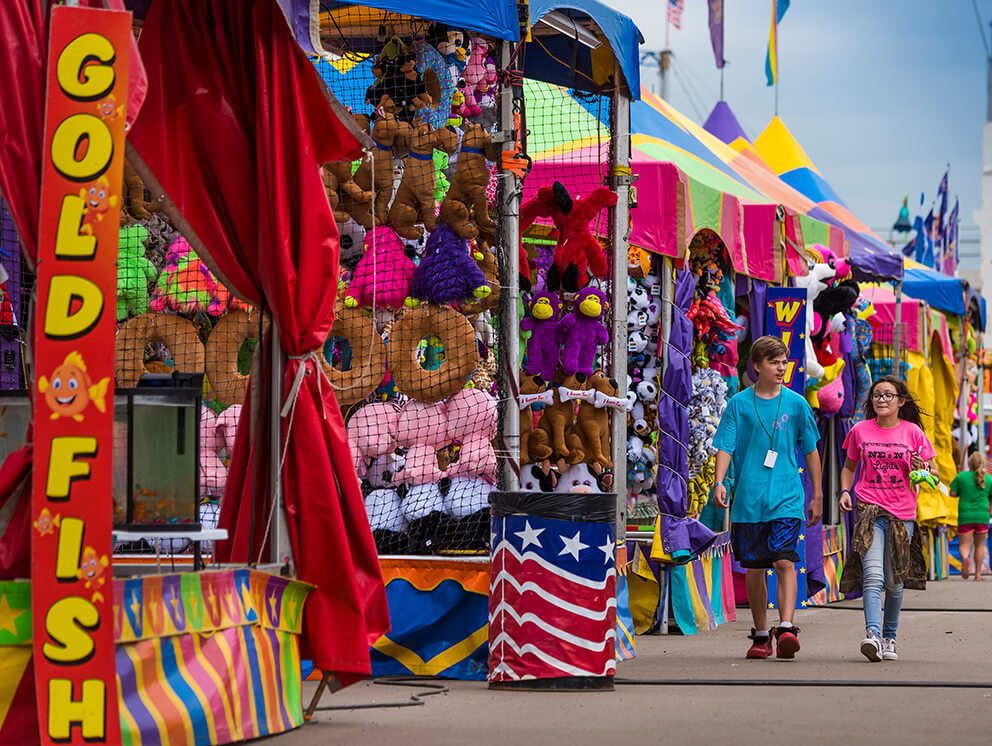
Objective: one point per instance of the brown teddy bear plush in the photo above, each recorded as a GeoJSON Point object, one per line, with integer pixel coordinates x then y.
{"type": "Point", "coordinates": [414, 200]}
{"type": "Point", "coordinates": [361, 212]}
{"type": "Point", "coordinates": [387, 132]}
{"type": "Point", "coordinates": [343, 192]}
{"type": "Point", "coordinates": [592, 423]}
{"type": "Point", "coordinates": [529, 451]}
{"type": "Point", "coordinates": [554, 429]}
{"type": "Point", "coordinates": [136, 204]}
{"type": "Point", "coordinates": [465, 208]}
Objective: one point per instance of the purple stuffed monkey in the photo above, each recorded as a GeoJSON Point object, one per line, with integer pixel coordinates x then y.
{"type": "Point", "coordinates": [544, 347]}
{"type": "Point", "coordinates": [581, 332]}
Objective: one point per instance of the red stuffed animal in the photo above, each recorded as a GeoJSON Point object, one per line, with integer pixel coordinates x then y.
{"type": "Point", "coordinates": [578, 253]}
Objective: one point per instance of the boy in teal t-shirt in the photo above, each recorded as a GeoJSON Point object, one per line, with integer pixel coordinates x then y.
{"type": "Point", "coordinates": [760, 432]}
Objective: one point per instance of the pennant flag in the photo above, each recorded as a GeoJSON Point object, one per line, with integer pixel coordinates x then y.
{"type": "Point", "coordinates": [916, 248]}
{"type": "Point", "coordinates": [941, 203]}
{"type": "Point", "coordinates": [771, 59]}
{"type": "Point", "coordinates": [675, 8]}
{"type": "Point", "coordinates": [937, 229]}
{"type": "Point", "coordinates": [928, 258]}
{"type": "Point", "coordinates": [951, 255]}
{"type": "Point", "coordinates": [716, 31]}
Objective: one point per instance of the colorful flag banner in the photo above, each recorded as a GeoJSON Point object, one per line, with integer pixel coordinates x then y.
{"type": "Point", "coordinates": [71, 541]}
{"type": "Point", "coordinates": [951, 247]}
{"type": "Point", "coordinates": [675, 8]}
{"type": "Point", "coordinates": [716, 31]}
{"type": "Point", "coordinates": [771, 59]}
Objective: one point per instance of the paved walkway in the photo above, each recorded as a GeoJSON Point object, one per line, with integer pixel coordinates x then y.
{"type": "Point", "coordinates": [934, 647]}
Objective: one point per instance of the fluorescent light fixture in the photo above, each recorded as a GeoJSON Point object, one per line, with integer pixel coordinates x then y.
{"type": "Point", "coordinates": [565, 25]}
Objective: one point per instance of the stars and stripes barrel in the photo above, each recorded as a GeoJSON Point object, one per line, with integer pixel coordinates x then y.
{"type": "Point", "coordinates": [552, 591]}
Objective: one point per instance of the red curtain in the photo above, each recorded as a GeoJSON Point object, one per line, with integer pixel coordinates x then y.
{"type": "Point", "coordinates": [235, 126]}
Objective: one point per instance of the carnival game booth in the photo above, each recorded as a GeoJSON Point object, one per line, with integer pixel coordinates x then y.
{"type": "Point", "coordinates": [426, 355]}
{"type": "Point", "coordinates": [209, 212]}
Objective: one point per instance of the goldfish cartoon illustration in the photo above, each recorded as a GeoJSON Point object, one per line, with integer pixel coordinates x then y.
{"type": "Point", "coordinates": [108, 108]}
{"type": "Point", "coordinates": [98, 200]}
{"type": "Point", "coordinates": [47, 523]}
{"type": "Point", "coordinates": [71, 389]}
{"type": "Point", "coordinates": [92, 567]}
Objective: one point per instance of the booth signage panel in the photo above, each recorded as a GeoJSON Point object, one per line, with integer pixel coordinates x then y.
{"type": "Point", "coordinates": [72, 504]}
{"type": "Point", "coordinates": [785, 317]}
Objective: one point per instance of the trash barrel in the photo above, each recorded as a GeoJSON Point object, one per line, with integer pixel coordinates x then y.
{"type": "Point", "coordinates": [552, 591]}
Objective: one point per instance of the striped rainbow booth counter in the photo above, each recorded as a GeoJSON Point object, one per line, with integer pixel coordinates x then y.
{"type": "Point", "coordinates": [202, 658]}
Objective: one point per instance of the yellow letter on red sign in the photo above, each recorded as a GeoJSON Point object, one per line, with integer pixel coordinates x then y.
{"type": "Point", "coordinates": [82, 170]}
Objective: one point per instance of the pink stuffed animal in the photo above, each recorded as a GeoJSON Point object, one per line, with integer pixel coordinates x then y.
{"type": "Point", "coordinates": [421, 429]}
{"type": "Point", "coordinates": [217, 433]}
{"type": "Point", "coordinates": [582, 331]}
{"type": "Point", "coordinates": [480, 72]}
{"type": "Point", "coordinates": [472, 418]}
{"type": "Point", "coordinates": [372, 433]}
{"type": "Point", "coordinates": [383, 274]}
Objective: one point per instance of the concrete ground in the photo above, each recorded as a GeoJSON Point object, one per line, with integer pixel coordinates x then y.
{"type": "Point", "coordinates": [935, 646]}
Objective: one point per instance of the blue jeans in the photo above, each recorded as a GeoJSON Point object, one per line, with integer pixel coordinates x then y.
{"type": "Point", "coordinates": [878, 572]}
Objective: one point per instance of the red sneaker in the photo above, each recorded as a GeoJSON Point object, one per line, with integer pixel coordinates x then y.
{"type": "Point", "coordinates": [786, 642]}
{"type": "Point", "coordinates": [761, 647]}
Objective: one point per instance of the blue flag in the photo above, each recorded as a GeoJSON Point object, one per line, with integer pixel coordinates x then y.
{"type": "Point", "coordinates": [917, 247]}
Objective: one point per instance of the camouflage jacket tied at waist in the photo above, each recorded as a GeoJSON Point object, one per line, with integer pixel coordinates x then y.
{"type": "Point", "coordinates": [908, 563]}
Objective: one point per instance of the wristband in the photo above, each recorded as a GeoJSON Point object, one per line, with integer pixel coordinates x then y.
{"type": "Point", "coordinates": [847, 491]}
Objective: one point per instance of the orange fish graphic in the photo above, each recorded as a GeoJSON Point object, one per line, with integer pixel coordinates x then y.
{"type": "Point", "coordinates": [92, 567]}
{"type": "Point", "coordinates": [47, 523]}
{"type": "Point", "coordinates": [71, 389]}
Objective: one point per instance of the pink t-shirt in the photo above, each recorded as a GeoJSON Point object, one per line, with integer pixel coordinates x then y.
{"type": "Point", "coordinates": [885, 454]}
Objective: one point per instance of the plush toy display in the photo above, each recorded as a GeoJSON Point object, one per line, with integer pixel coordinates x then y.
{"type": "Point", "coordinates": [922, 476]}
{"type": "Point", "coordinates": [414, 199]}
{"type": "Point", "coordinates": [364, 371]}
{"type": "Point", "coordinates": [448, 273]}
{"type": "Point", "coordinates": [472, 421]}
{"type": "Point", "coordinates": [187, 284]}
{"type": "Point", "coordinates": [480, 71]}
{"type": "Point", "coordinates": [578, 252]}
{"type": "Point", "coordinates": [861, 336]}
{"type": "Point", "coordinates": [544, 347]}
{"type": "Point", "coordinates": [553, 434]}
{"type": "Point", "coordinates": [433, 67]}
{"type": "Point", "coordinates": [706, 408]}
{"type": "Point", "coordinates": [456, 336]}
{"type": "Point", "coordinates": [486, 259]}
{"type": "Point", "coordinates": [532, 391]}
{"type": "Point", "coordinates": [584, 478]}
{"type": "Point", "coordinates": [815, 283]}
{"type": "Point", "coordinates": [387, 132]}
{"type": "Point", "coordinates": [134, 272]}
{"type": "Point", "coordinates": [136, 204]}
{"type": "Point", "coordinates": [384, 273]}
{"type": "Point", "coordinates": [400, 89]}
{"type": "Point", "coordinates": [343, 191]}
{"type": "Point", "coordinates": [224, 344]}
{"type": "Point", "coordinates": [592, 422]}
{"type": "Point", "coordinates": [465, 208]}
{"type": "Point", "coordinates": [582, 331]}
{"type": "Point", "coordinates": [715, 327]}
{"type": "Point", "coordinates": [175, 332]}
{"type": "Point", "coordinates": [372, 433]}
{"type": "Point", "coordinates": [217, 435]}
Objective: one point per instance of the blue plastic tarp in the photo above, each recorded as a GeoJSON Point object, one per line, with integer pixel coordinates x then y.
{"type": "Point", "coordinates": [496, 18]}
{"type": "Point", "coordinates": [563, 61]}
{"type": "Point", "coordinates": [943, 292]}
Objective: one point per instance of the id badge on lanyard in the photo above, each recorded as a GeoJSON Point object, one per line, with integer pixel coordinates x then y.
{"type": "Point", "coordinates": [772, 455]}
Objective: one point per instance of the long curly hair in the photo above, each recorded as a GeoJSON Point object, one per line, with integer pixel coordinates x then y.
{"type": "Point", "coordinates": [909, 410]}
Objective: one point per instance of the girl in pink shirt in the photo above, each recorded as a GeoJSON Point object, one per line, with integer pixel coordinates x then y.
{"type": "Point", "coordinates": [888, 444]}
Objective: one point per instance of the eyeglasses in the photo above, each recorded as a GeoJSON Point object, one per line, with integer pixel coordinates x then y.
{"type": "Point", "coordinates": [883, 397]}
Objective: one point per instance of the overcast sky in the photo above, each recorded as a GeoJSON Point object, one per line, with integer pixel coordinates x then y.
{"type": "Point", "coordinates": [881, 94]}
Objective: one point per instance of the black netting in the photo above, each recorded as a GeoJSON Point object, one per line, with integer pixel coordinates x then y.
{"type": "Point", "coordinates": [413, 350]}
{"type": "Point", "coordinates": [567, 374]}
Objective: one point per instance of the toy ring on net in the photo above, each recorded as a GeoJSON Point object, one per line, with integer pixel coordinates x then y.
{"type": "Point", "coordinates": [223, 346]}
{"type": "Point", "coordinates": [457, 337]}
{"type": "Point", "coordinates": [175, 332]}
{"type": "Point", "coordinates": [434, 69]}
{"type": "Point", "coordinates": [366, 351]}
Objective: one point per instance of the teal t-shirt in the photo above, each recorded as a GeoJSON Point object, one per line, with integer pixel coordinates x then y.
{"type": "Point", "coordinates": [760, 493]}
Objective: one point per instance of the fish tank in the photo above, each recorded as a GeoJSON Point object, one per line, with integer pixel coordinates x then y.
{"type": "Point", "coordinates": [156, 453]}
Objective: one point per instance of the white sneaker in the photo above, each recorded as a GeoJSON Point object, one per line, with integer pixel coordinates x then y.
{"type": "Point", "coordinates": [871, 647]}
{"type": "Point", "coordinates": [889, 652]}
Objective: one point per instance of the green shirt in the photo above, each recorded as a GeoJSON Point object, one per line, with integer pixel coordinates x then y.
{"type": "Point", "coordinates": [974, 502]}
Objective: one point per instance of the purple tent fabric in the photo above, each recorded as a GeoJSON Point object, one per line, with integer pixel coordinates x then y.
{"type": "Point", "coordinates": [681, 536]}
{"type": "Point", "coordinates": [723, 124]}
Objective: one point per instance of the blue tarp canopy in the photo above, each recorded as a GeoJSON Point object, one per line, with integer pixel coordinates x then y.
{"type": "Point", "coordinates": [359, 19]}
{"type": "Point", "coordinates": [560, 59]}
{"type": "Point", "coordinates": [943, 292]}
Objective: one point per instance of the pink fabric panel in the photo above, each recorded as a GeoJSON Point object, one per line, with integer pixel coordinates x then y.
{"type": "Point", "coordinates": [654, 221]}
{"type": "Point", "coordinates": [759, 230]}
{"type": "Point", "coordinates": [885, 315]}
{"type": "Point", "coordinates": [795, 261]}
